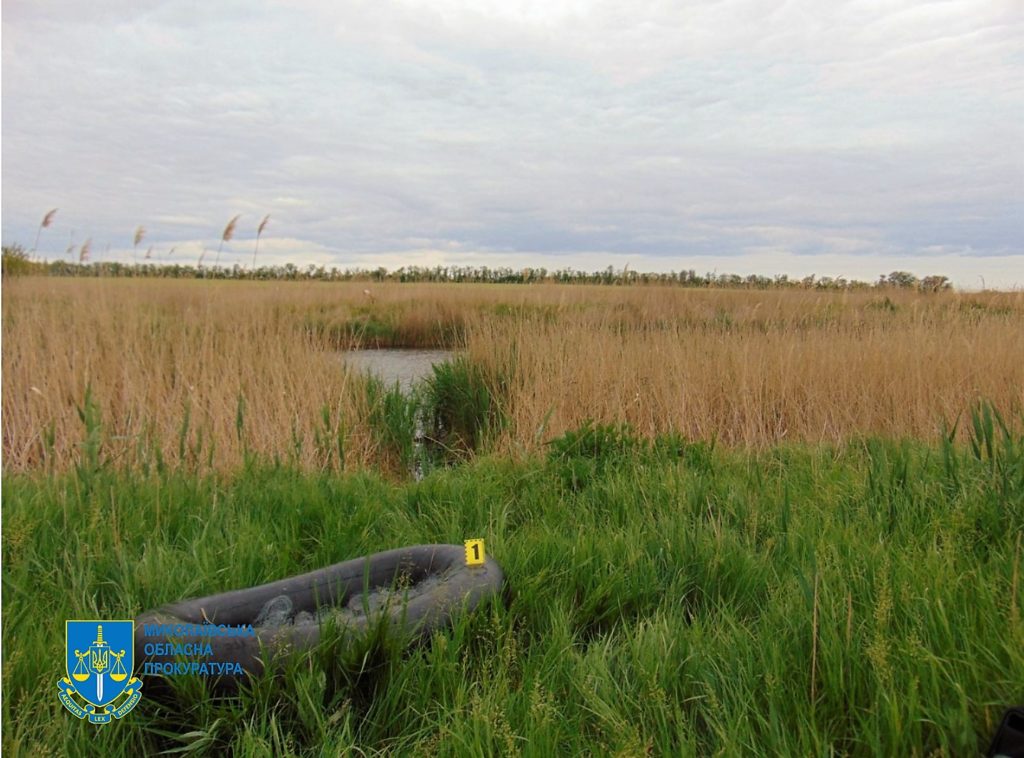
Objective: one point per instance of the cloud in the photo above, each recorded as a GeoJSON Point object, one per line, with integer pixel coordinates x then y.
{"type": "Point", "coordinates": [652, 130]}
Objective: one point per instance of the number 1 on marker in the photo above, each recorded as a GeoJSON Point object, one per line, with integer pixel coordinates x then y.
{"type": "Point", "coordinates": [475, 552]}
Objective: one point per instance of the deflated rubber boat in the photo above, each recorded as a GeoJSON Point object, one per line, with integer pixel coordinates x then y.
{"type": "Point", "coordinates": [414, 590]}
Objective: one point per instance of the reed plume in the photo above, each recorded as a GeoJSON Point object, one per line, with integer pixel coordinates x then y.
{"type": "Point", "coordinates": [140, 232]}
{"type": "Point", "coordinates": [83, 254]}
{"type": "Point", "coordinates": [47, 220]}
{"type": "Point", "coordinates": [259, 233]}
{"type": "Point", "coordinates": [229, 232]}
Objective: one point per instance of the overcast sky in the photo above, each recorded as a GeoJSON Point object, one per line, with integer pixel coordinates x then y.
{"type": "Point", "coordinates": [836, 138]}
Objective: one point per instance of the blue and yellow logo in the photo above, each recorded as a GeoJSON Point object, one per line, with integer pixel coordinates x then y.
{"type": "Point", "coordinates": [100, 657]}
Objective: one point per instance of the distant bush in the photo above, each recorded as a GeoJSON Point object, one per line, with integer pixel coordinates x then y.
{"type": "Point", "coordinates": [16, 262]}
{"type": "Point", "coordinates": [884, 304]}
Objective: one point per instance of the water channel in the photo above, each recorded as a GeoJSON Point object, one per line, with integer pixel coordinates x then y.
{"type": "Point", "coordinates": [406, 366]}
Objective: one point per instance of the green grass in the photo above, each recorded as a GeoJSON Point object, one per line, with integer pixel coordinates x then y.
{"type": "Point", "coordinates": [462, 407]}
{"type": "Point", "coordinates": [664, 598]}
{"type": "Point", "coordinates": [392, 419]}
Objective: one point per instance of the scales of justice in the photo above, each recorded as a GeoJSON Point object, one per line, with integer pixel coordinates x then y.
{"type": "Point", "coordinates": [96, 660]}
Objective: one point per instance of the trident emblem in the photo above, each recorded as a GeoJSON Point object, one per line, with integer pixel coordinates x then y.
{"type": "Point", "coordinates": [96, 659]}
{"type": "Point", "coordinates": [97, 670]}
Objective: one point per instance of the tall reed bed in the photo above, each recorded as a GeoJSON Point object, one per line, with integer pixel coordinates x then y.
{"type": "Point", "coordinates": [756, 369]}
{"type": "Point", "coordinates": [174, 372]}
{"type": "Point", "coordinates": [212, 372]}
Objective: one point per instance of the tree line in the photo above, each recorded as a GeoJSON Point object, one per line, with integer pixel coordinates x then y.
{"type": "Point", "coordinates": [16, 261]}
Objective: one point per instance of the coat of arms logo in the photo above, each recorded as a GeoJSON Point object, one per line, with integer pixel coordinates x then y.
{"type": "Point", "coordinates": [100, 657]}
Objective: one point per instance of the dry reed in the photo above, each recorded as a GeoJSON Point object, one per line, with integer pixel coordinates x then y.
{"type": "Point", "coordinates": [226, 235]}
{"type": "Point", "coordinates": [746, 368]}
{"type": "Point", "coordinates": [140, 233]}
{"type": "Point", "coordinates": [45, 223]}
{"type": "Point", "coordinates": [760, 368]}
{"type": "Point", "coordinates": [259, 233]}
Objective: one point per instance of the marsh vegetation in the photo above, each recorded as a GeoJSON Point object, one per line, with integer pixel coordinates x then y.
{"type": "Point", "coordinates": [734, 523]}
{"type": "Point", "coordinates": [215, 371]}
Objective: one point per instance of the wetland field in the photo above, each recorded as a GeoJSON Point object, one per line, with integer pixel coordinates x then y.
{"type": "Point", "coordinates": [732, 522]}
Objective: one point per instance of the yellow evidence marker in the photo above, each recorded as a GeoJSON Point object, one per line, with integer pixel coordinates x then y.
{"type": "Point", "coordinates": [475, 552]}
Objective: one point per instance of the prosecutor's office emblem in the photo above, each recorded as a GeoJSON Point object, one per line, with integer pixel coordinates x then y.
{"type": "Point", "coordinates": [99, 663]}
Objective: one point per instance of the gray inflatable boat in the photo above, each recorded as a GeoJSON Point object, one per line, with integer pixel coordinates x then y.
{"type": "Point", "coordinates": [414, 590]}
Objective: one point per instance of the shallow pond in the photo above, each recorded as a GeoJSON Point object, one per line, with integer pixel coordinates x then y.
{"type": "Point", "coordinates": [406, 366]}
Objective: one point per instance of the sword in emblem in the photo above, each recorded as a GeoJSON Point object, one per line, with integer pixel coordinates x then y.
{"type": "Point", "coordinates": [100, 659]}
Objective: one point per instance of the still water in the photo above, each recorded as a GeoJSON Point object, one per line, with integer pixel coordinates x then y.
{"type": "Point", "coordinates": [402, 365]}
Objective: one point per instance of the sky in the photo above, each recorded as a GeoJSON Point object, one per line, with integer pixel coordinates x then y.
{"type": "Point", "coordinates": [804, 137]}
